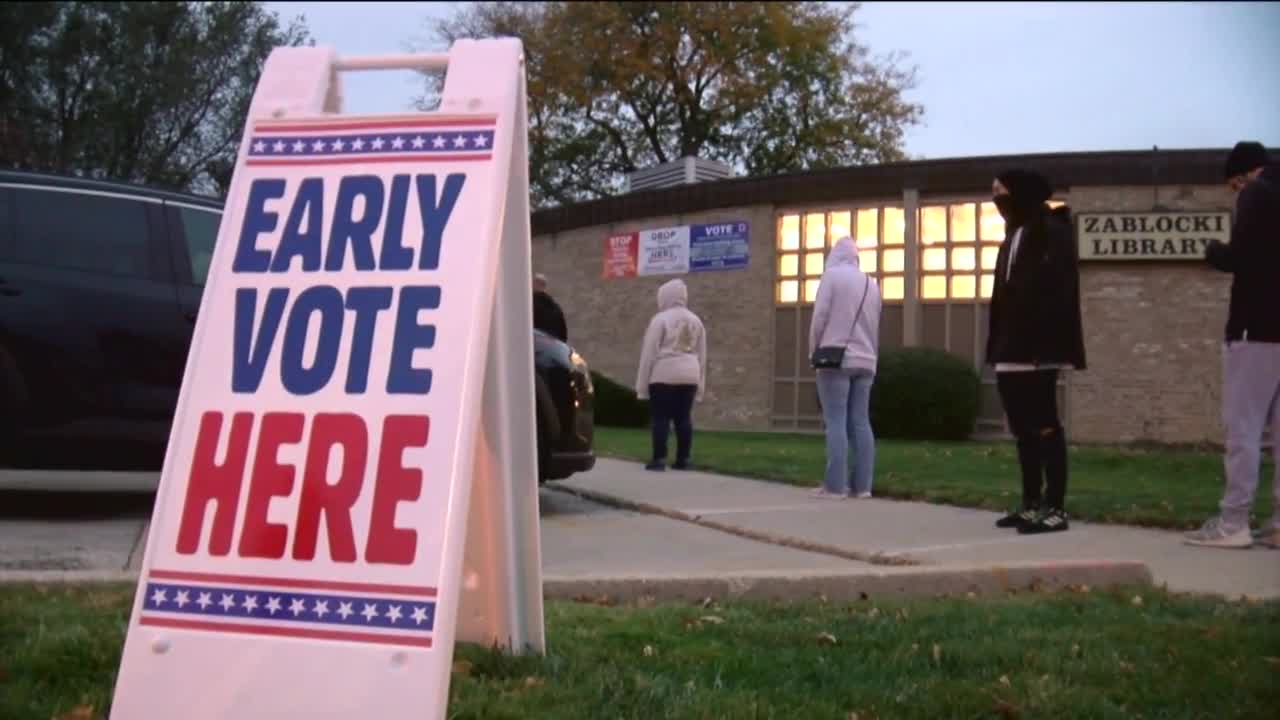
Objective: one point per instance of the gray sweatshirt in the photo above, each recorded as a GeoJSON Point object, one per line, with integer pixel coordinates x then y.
{"type": "Point", "coordinates": [839, 294]}
{"type": "Point", "coordinates": [675, 345]}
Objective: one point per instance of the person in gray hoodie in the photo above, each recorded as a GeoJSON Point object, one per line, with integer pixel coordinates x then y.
{"type": "Point", "coordinates": [847, 313]}
{"type": "Point", "coordinates": [673, 372]}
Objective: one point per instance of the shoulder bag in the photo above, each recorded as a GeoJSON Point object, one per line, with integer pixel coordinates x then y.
{"type": "Point", "coordinates": [832, 356]}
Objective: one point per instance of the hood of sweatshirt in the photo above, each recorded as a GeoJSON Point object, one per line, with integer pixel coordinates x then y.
{"type": "Point", "coordinates": [1269, 179]}
{"type": "Point", "coordinates": [673, 294]}
{"type": "Point", "coordinates": [844, 253]}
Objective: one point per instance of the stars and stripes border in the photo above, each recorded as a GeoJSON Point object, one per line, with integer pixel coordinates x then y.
{"type": "Point", "coordinates": [346, 142]}
{"type": "Point", "coordinates": [283, 607]}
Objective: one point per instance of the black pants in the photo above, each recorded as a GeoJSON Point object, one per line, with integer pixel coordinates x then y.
{"type": "Point", "coordinates": [1031, 403]}
{"type": "Point", "coordinates": [672, 404]}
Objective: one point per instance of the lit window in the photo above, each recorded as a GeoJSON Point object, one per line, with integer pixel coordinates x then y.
{"type": "Point", "coordinates": [989, 255]}
{"type": "Point", "coordinates": [963, 223]}
{"type": "Point", "coordinates": [788, 265]}
{"type": "Point", "coordinates": [964, 258]}
{"type": "Point", "coordinates": [933, 287]}
{"type": "Point", "coordinates": [789, 234]}
{"type": "Point", "coordinates": [868, 230]}
{"type": "Point", "coordinates": [813, 264]}
{"type": "Point", "coordinates": [895, 226]}
{"type": "Point", "coordinates": [840, 226]}
{"type": "Point", "coordinates": [789, 291]}
{"type": "Point", "coordinates": [815, 230]}
{"type": "Point", "coordinates": [987, 282]}
{"type": "Point", "coordinates": [811, 290]}
{"type": "Point", "coordinates": [992, 225]}
{"type": "Point", "coordinates": [867, 260]}
{"type": "Point", "coordinates": [892, 288]}
{"type": "Point", "coordinates": [893, 261]}
{"type": "Point", "coordinates": [964, 287]}
{"type": "Point", "coordinates": [933, 225]}
{"type": "Point", "coordinates": [935, 259]}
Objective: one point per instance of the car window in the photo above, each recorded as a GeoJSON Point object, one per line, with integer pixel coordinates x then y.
{"type": "Point", "coordinates": [77, 231]}
{"type": "Point", "coordinates": [200, 228]}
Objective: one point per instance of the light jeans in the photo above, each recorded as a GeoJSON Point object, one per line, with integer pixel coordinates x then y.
{"type": "Point", "coordinates": [1250, 398]}
{"type": "Point", "coordinates": [846, 411]}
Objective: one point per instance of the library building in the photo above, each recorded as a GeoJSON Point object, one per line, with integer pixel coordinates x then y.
{"type": "Point", "coordinates": [751, 251]}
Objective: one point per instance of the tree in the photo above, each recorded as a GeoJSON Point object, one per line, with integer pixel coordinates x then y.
{"type": "Point", "coordinates": [146, 92]}
{"type": "Point", "coordinates": [765, 87]}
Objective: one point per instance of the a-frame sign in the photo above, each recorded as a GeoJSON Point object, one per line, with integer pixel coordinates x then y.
{"type": "Point", "coordinates": [350, 480]}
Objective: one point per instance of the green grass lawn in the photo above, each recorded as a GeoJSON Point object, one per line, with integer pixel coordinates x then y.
{"type": "Point", "coordinates": [1071, 655]}
{"type": "Point", "coordinates": [1175, 489]}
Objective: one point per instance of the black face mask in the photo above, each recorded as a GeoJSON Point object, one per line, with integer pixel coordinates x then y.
{"type": "Point", "coordinates": [1004, 204]}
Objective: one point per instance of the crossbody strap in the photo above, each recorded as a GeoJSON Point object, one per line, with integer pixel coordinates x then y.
{"type": "Point", "coordinates": [858, 315]}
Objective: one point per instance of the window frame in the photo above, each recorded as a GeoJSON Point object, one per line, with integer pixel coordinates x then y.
{"type": "Point", "coordinates": [156, 252]}
{"type": "Point", "coordinates": [180, 251]}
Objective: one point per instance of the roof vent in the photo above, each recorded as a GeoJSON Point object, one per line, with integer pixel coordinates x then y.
{"type": "Point", "coordinates": [685, 171]}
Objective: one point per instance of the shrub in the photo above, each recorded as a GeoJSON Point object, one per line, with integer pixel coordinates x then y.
{"type": "Point", "coordinates": [617, 404]}
{"type": "Point", "coordinates": [924, 394]}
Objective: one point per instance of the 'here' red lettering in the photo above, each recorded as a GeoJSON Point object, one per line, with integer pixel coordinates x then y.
{"type": "Point", "coordinates": [388, 544]}
{"type": "Point", "coordinates": [211, 481]}
{"type": "Point", "coordinates": [260, 538]}
{"type": "Point", "coordinates": [334, 501]}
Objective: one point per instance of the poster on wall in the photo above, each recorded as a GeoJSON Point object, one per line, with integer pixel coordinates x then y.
{"type": "Point", "coordinates": [620, 255]}
{"type": "Point", "coordinates": [664, 251]}
{"type": "Point", "coordinates": [677, 250]}
{"type": "Point", "coordinates": [722, 246]}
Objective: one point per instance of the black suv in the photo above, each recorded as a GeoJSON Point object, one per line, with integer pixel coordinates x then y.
{"type": "Point", "coordinates": [100, 284]}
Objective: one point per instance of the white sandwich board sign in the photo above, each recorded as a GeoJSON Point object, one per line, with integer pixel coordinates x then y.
{"type": "Point", "coordinates": [349, 481]}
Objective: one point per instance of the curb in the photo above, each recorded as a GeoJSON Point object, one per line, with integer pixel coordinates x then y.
{"type": "Point", "coordinates": [842, 586]}
{"type": "Point", "coordinates": [838, 585]}
{"type": "Point", "coordinates": [876, 558]}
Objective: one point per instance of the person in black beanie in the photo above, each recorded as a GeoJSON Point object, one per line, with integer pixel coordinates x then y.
{"type": "Point", "coordinates": [1251, 353]}
{"type": "Point", "coordinates": [1035, 331]}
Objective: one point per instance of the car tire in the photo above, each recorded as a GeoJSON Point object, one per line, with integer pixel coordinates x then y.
{"type": "Point", "coordinates": [548, 426]}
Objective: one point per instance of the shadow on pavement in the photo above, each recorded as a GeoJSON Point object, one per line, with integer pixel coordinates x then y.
{"type": "Point", "coordinates": [74, 506]}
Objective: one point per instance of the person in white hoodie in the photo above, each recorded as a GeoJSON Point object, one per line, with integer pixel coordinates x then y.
{"type": "Point", "coordinates": [846, 313]}
{"type": "Point", "coordinates": [673, 372]}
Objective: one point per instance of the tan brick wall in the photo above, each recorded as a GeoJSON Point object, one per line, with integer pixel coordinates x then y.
{"type": "Point", "coordinates": [607, 318]}
{"type": "Point", "coordinates": [1153, 330]}
{"type": "Point", "coordinates": [1153, 334]}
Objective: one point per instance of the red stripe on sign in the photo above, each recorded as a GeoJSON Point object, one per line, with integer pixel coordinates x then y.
{"type": "Point", "coordinates": [371, 160]}
{"type": "Point", "coordinates": [374, 125]}
{"type": "Point", "coordinates": [412, 590]}
{"type": "Point", "coordinates": [273, 631]}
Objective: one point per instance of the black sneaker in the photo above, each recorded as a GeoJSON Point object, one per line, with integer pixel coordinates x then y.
{"type": "Point", "coordinates": [655, 467]}
{"type": "Point", "coordinates": [1017, 519]}
{"type": "Point", "coordinates": [686, 465]}
{"type": "Point", "coordinates": [1052, 520]}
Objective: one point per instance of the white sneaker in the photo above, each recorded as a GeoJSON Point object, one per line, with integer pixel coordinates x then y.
{"type": "Point", "coordinates": [1214, 534]}
{"type": "Point", "coordinates": [864, 495]}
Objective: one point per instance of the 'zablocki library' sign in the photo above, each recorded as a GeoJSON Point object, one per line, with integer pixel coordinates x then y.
{"type": "Point", "coordinates": [1150, 235]}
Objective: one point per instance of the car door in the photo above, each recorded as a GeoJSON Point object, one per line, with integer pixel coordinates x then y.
{"type": "Point", "coordinates": [98, 313]}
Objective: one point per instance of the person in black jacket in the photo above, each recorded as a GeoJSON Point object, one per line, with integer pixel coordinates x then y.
{"type": "Point", "coordinates": [1251, 356]}
{"type": "Point", "coordinates": [1035, 331]}
{"type": "Point", "coordinates": [547, 315]}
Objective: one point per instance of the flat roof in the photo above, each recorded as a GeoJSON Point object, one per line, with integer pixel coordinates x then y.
{"type": "Point", "coordinates": [948, 175]}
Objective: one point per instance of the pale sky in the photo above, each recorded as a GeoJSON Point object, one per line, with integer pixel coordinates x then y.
{"type": "Point", "coordinates": [994, 78]}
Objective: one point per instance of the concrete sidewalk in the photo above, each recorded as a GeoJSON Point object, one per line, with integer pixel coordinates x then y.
{"type": "Point", "coordinates": [887, 532]}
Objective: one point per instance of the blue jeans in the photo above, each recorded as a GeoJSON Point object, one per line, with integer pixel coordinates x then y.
{"type": "Point", "coordinates": [846, 410]}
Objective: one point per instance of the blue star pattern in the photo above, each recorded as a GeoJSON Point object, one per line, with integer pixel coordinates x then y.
{"type": "Point", "coordinates": [325, 608]}
{"type": "Point", "coordinates": [421, 142]}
